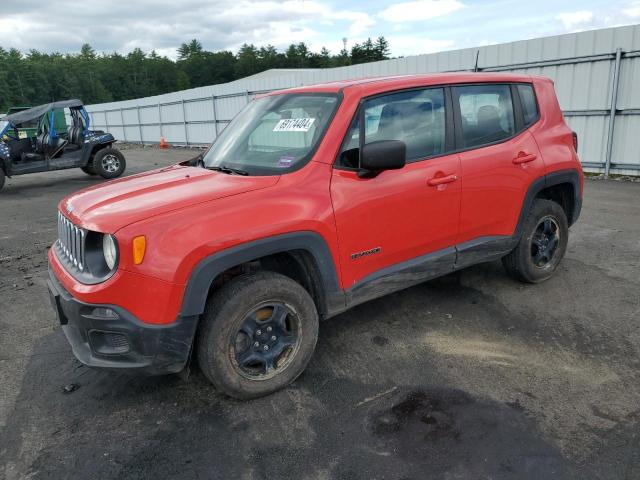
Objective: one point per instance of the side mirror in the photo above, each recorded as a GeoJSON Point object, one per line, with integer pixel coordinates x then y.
{"type": "Point", "coordinates": [382, 155]}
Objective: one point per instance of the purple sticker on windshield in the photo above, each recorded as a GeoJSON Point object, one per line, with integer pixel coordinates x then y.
{"type": "Point", "coordinates": [285, 162]}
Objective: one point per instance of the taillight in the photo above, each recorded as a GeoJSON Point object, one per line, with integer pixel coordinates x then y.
{"type": "Point", "coordinates": [575, 141]}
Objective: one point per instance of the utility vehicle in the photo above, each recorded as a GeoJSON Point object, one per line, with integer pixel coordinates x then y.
{"type": "Point", "coordinates": [52, 149]}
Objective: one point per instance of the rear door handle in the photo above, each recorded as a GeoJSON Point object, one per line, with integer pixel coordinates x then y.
{"type": "Point", "coordinates": [435, 181]}
{"type": "Point", "coordinates": [524, 158]}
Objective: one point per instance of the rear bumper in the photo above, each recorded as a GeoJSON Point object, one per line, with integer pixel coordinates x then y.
{"type": "Point", "coordinates": [108, 336]}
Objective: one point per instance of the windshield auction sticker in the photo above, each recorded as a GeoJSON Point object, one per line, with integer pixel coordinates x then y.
{"type": "Point", "coordinates": [294, 125]}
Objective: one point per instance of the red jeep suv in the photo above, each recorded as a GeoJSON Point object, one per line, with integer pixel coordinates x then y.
{"type": "Point", "coordinates": [311, 201]}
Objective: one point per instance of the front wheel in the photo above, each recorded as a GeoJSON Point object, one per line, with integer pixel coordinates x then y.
{"type": "Point", "coordinates": [258, 334]}
{"type": "Point", "coordinates": [542, 245]}
{"type": "Point", "coordinates": [109, 163]}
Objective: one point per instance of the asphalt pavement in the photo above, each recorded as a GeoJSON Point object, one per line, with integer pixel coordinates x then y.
{"type": "Point", "coordinates": [472, 376]}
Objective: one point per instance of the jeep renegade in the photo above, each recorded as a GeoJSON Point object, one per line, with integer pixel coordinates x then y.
{"type": "Point", "coordinates": [311, 201]}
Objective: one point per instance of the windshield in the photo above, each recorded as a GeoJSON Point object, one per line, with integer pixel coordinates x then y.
{"type": "Point", "coordinates": [273, 134]}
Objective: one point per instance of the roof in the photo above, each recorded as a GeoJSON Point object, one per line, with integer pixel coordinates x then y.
{"type": "Point", "coordinates": [36, 112]}
{"type": "Point", "coordinates": [408, 81]}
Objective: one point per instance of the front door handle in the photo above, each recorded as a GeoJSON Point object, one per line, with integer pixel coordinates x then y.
{"type": "Point", "coordinates": [524, 158]}
{"type": "Point", "coordinates": [435, 181]}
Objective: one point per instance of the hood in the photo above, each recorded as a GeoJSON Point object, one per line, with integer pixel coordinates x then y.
{"type": "Point", "coordinates": [110, 206]}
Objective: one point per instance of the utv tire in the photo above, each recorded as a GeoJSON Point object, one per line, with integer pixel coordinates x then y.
{"type": "Point", "coordinates": [542, 245]}
{"type": "Point", "coordinates": [109, 163]}
{"type": "Point", "coordinates": [89, 170]}
{"type": "Point", "coordinates": [257, 335]}
{"type": "Point", "coordinates": [2, 176]}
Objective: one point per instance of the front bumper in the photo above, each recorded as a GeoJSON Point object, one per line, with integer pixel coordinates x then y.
{"type": "Point", "coordinates": [108, 336]}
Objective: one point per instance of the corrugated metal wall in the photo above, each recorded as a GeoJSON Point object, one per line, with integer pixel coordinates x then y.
{"type": "Point", "coordinates": [585, 66]}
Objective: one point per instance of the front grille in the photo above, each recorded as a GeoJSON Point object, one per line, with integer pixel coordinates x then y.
{"type": "Point", "coordinates": [72, 241]}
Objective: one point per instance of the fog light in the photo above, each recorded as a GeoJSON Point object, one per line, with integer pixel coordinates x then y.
{"type": "Point", "coordinates": [109, 343]}
{"type": "Point", "coordinates": [105, 313]}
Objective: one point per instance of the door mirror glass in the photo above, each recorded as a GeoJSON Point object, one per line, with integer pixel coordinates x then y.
{"type": "Point", "coordinates": [383, 155]}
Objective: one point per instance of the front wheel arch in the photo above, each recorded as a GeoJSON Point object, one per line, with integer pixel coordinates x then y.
{"type": "Point", "coordinates": [204, 275]}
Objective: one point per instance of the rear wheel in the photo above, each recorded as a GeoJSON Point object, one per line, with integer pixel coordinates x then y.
{"type": "Point", "coordinates": [543, 243]}
{"type": "Point", "coordinates": [89, 170]}
{"type": "Point", "coordinates": [109, 163]}
{"type": "Point", "coordinates": [258, 334]}
{"type": "Point", "coordinates": [2, 176]}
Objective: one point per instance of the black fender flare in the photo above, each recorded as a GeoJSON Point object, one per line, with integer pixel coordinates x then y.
{"type": "Point", "coordinates": [95, 147]}
{"type": "Point", "coordinates": [555, 178]}
{"type": "Point", "coordinates": [205, 272]}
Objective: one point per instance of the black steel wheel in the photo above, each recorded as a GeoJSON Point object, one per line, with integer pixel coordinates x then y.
{"type": "Point", "coordinates": [545, 241]}
{"type": "Point", "coordinates": [257, 334]}
{"type": "Point", "coordinates": [267, 341]}
{"type": "Point", "coordinates": [542, 244]}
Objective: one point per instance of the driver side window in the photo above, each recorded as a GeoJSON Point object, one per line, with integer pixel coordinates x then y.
{"type": "Point", "coordinates": [415, 117]}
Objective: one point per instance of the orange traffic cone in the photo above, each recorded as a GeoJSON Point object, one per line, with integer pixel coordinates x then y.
{"type": "Point", "coordinates": [163, 143]}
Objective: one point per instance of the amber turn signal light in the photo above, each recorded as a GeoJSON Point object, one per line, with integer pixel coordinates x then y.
{"type": "Point", "coordinates": [139, 249]}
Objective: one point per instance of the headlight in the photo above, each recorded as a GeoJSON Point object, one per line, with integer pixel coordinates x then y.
{"type": "Point", "coordinates": [109, 250]}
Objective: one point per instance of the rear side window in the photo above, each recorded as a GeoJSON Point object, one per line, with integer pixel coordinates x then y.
{"type": "Point", "coordinates": [415, 117]}
{"type": "Point", "coordinates": [486, 113]}
{"type": "Point", "coordinates": [529, 105]}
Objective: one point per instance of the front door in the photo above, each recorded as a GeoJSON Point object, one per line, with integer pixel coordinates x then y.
{"type": "Point", "coordinates": [398, 227]}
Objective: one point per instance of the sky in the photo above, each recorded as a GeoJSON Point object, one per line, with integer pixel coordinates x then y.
{"type": "Point", "coordinates": [411, 27]}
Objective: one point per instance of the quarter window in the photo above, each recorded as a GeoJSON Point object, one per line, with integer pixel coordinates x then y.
{"type": "Point", "coordinates": [486, 113]}
{"type": "Point", "coordinates": [529, 105]}
{"type": "Point", "coordinates": [415, 117]}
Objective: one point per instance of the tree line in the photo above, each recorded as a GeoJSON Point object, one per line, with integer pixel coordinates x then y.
{"type": "Point", "coordinates": [35, 77]}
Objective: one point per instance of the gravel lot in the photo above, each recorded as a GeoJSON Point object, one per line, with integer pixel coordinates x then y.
{"type": "Point", "coordinates": [473, 376]}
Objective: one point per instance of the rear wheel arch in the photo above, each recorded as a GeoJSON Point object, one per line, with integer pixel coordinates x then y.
{"type": "Point", "coordinates": [302, 256]}
{"type": "Point", "coordinates": [552, 187]}
{"type": "Point", "coordinates": [564, 194]}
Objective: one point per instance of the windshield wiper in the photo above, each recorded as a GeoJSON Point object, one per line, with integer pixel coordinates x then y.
{"type": "Point", "coordinates": [228, 170]}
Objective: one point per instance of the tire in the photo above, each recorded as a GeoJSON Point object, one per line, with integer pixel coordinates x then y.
{"type": "Point", "coordinates": [239, 325]}
{"type": "Point", "coordinates": [89, 170]}
{"type": "Point", "coordinates": [2, 177]}
{"type": "Point", "coordinates": [542, 245]}
{"type": "Point", "coordinates": [109, 163]}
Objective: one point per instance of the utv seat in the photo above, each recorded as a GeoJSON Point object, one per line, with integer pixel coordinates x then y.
{"type": "Point", "coordinates": [41, 141]}
{"type": "Point", "coordinates": [75, 138]}
{"type": "Point", "coordinates": [18, 147]}
{"type": "Point", "coordinates": [75, 134]}
{"type": "Point", "coordinates": [43, 148]}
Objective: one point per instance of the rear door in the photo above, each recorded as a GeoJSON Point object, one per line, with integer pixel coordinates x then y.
{"type": "Point", "coordinates": [499, 159]}
{"type": "Point", "coordinates": [399, 215]}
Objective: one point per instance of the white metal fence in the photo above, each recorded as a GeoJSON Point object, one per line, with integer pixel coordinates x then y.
{"type": "Point", "coordinates": [596, 76]}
